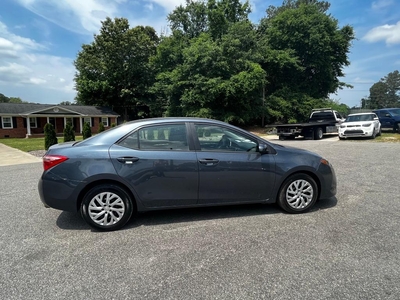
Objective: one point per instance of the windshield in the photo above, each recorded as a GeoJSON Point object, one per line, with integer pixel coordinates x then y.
{"type": "Point", "coordinates": [357, 118]}
{"type": "Point", "coordinates": [395, 111]}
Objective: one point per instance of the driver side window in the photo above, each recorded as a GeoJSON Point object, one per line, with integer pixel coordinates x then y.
{"type": "Point", "coordinates": [219, 138]}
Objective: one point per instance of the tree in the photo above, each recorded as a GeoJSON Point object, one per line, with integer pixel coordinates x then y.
{"type": "Point", "coordinates": [101, 127]}
{"type": "Point", "coordinates": [66, 103]}
{"type": "Point", "coordinates": [16, 100]}
{"type": "Point", "coordinates": [50, 137]}
{"type": "Point", "coordinates": [4, 99]}
{"type": "Point", "coordinates": [69, 134]}
{"type": "Point", "coordinates": [303, 53]}
{"type": "Point", "coordinates": [86, 131]}
{"type": "Point", "coordinates": [209, 68]}
{"type": "Point", "coordinates": [384, 93]}
{"type": "Point", "coordinates": [114, 70]}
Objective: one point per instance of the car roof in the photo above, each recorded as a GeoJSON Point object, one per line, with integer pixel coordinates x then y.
{"type": "Point", "coordinates": [360, 114]}
{"type": "Point", "coordinates": [392, 108]}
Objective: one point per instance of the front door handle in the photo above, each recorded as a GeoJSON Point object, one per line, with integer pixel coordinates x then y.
{"type": "Point", "coordinates": [209, 161]}
{"type": "Point", "coordinates": [128, 160]}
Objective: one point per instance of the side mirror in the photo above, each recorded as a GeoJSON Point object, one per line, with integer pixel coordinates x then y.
{"type": "Point", "coordinates": [263, 148]}
{"type": "Point", "coordinates": [376, 118]}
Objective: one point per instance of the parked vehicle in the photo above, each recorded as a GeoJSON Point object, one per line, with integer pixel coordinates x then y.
{"type": "Point", "coordinates": [321, 121]}
{"type": "Point", "coordinates": [389, 118]}
{"type": "Point", "coordinates": [360, 125]}
{"type": "Point", "coordinates": [155, 164]}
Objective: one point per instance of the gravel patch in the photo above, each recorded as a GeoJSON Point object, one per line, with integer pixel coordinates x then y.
{"type": "Point", "coordinates": [37, 153]}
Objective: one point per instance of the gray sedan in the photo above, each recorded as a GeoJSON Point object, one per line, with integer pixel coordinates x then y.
{"type": "Point", "coordinates": [164, 163]}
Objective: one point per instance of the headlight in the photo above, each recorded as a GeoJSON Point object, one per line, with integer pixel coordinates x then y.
{"type": "Point", "coordinates": [366, 125]}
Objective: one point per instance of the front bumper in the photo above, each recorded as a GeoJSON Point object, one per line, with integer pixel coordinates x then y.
{"type": "Point", "coordinates": [357, 132]}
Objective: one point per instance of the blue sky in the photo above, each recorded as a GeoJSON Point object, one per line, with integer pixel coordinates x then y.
{"type": "Point", "coordinates": [39, 40]}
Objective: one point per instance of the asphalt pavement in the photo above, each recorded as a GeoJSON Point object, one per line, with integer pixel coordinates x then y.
{"type": "Point", "coordinates": [346, 247]}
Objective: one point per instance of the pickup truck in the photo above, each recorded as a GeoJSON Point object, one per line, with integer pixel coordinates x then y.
{"type": "Point", "coordinates": [389, 118]}
{"type": "Point", "coordinates": [321, 121]}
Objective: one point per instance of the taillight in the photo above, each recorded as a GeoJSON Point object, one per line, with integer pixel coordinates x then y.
{"type": "Point", "coordinates": [50, 161]}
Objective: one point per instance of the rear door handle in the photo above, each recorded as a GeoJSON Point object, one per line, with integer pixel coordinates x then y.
{"type": "Point", "coordinates": [128, 160]}
{"type": "Point", "coordinates": [209, 161]}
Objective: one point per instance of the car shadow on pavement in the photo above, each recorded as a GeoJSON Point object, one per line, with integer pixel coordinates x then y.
{"type": "Point", "coordinates": [74, 221]}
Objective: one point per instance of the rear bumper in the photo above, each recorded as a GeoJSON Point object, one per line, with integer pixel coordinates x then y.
{"type": "Point", "coordinates": [57, 195]}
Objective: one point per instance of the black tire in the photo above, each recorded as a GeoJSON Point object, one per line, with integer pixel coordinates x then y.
{"type": "Point", "coordinates": [115, 213]}
{"type": "Point", "coordinates": [318, 133]}
{"type": "Point", "coordinates": [398, 127]}
{"type": "Point", "coordinates": [298, 193]}
{"type": "Point", "coordinates": [379, 133]}
{"type": "Point", "coordinates": [374, 133]}
{"type": "Point", "coordinates": [341, 138]}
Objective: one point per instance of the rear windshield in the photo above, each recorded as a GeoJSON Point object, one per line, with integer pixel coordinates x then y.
{"type": "Point", "coordinates": [322, 116]}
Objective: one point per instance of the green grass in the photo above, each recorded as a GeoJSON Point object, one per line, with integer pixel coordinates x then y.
{"type": "Point", "coordinates": [388, 137]}
{"type": "Point", "coordinates": [31, 144]}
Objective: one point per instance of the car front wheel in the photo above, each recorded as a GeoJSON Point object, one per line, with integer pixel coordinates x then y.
{"type": "Point", "coordinates": [107, 207]}
{"type": "Point", "coordinates": [298, 193]}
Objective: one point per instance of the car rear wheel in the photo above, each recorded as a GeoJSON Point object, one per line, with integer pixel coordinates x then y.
{"type": "Point", "coordinates": [318, 134]}
{"type": "Point", "coordinates": [107, 207]}
{"type": "Point", "coordinates": [298, 193]}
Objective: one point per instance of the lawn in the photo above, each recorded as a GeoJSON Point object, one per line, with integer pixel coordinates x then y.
{"type": "Point", "coordinates": [31, 144]}
{"type": "Point", "coordinates": [388, 137]}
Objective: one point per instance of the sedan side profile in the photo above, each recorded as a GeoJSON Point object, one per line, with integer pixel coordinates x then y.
{"type": "Point", "coordinates": [164, 163]}
{"type": "Point", "coordinates": [360, 125]}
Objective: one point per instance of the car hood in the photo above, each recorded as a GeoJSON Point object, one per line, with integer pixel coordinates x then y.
{"type": "Point", "coordinates": [294, 150]}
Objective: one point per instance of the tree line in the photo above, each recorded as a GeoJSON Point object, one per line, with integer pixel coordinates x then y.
{"type": "Point", "coordinates": [216, 63]}
{"type": "Point", "coordinates": [5, 99]}
{"type": "Point", "coordinates": [384, 93]}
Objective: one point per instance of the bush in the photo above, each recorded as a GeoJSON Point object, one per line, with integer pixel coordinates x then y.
{"type": "Point", "coordinates": [50, 137]}
{"type": "Point", "coordinates": [69, 134]}
{"type": "Point", "coordinates": [101, 127]}
{"type": "Point", "coordinates": [113, 124]}
{"type": "Point", "coordinates": [86, 132]}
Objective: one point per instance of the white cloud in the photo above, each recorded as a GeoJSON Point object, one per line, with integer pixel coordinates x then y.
{"type": "Point", "coordinates": [388, 33]}
{"type": "Point", "coordinates": [25, 64]}
{"type": "Point", "coordinates": [149, 6]}
{"type": "Point", "coordinates": [37, 80]}
{"type": "Point", "coordinates": [18, 41]}
{"type": "Point", "coordinates": [168, 5]}
{"type": "Point", "coordinates": [82, 17]}
{"type": "Point", "coordinates": [377, 5]}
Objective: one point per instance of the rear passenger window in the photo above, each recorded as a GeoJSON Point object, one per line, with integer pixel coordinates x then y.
{"type": "Point", "coordinates": [163, 137]}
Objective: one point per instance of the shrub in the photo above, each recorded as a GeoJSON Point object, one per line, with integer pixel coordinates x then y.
{"type": "Point", "coordinates": [69, 134]}
{"type": "Point", "coordinates": [50, 137]}
{"type": "Point", "coordinates": [86, 132]}
{"type": "Point", "coordinates": [101, 127]}
{"type": "Point", "coordinates": [113, 124]}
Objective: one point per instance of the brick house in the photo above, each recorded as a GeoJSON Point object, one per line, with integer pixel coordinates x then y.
{"type": "Point", "coordinates": [20, 120]}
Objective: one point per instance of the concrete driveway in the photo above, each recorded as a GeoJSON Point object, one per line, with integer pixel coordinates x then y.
{"type": "Point", "coordinates": [11, 156]}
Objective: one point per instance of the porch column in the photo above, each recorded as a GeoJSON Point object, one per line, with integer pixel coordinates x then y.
{"type": "Point", "coordinates": [28, 125]}
{"type": "Point", "coordinates": [81, 123]}
{"type": "Point", "coordinates": [48, 119]}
